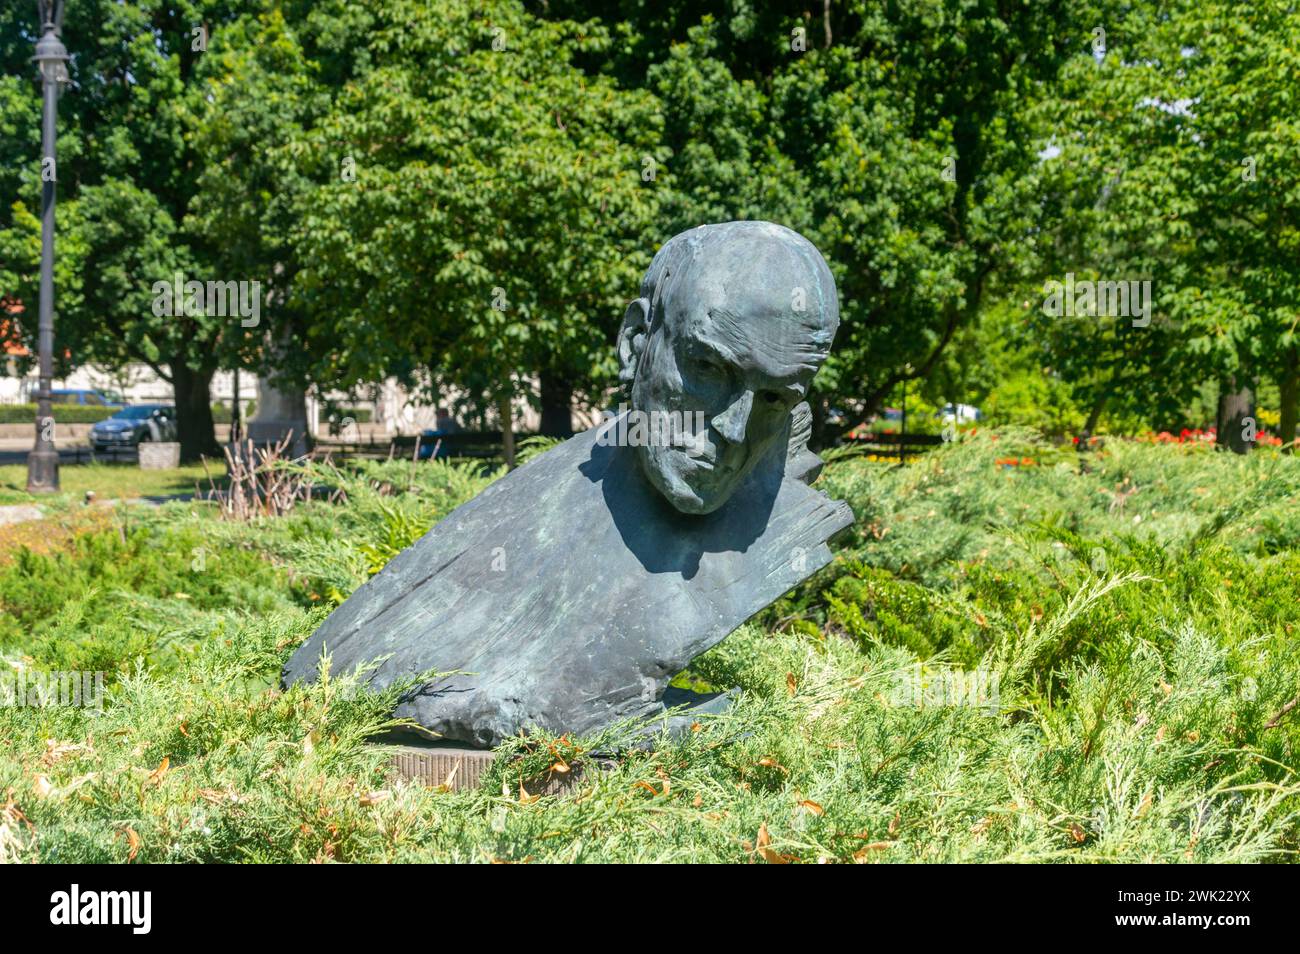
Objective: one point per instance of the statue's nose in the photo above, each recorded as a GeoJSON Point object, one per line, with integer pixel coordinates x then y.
{"type": "Point", "coordinates": [732, 422]}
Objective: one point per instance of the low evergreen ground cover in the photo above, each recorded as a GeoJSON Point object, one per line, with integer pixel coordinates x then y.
{"type": "Point", "coordinates": [1019, 654]}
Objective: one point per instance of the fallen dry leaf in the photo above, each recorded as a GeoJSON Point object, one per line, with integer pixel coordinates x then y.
{"type": "Point", "coordinates": [132, 842]}
{"type": "Point", "coordinates": [156, 776]}
{"type": "Point", "coordinates": [56, 752]}
{"type": "Point", "coordinates": [667, 787]}
{"type": "Point", "coordinates": [763, 845]}
{"type": "Point", "coordinates": [10, 812]}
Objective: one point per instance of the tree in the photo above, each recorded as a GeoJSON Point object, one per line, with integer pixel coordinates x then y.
{"type": "Point", "coordinates": [1240, 74]}
{"type": "Point", "coordinates": [128, 177]}
{"type": "Point", "coordinates": [1173, 147]}
{"type": "Point", "coordinates": [896, 137]}
{"type": "Point", "coordinates": [480, 213]}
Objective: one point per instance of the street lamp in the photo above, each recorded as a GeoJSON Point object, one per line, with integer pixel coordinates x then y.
{"type": "Point", "coordinates": [52, 56]}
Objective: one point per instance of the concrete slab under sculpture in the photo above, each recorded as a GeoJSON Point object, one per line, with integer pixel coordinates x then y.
{"type": "Point", "coordinates": [456, 767]}
{"type": "Point", "coordinates": [568, 594]}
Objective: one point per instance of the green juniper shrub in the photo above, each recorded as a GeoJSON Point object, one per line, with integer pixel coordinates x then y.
{"type": "Point", "coordinates": [1132, 624]}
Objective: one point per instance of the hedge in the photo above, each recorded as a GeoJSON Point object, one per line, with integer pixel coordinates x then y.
{"type": "Point", "coordinates": [63, 413]}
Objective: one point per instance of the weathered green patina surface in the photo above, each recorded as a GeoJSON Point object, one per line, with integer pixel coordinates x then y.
{"type": "Point", "coordinates": [570, 592]}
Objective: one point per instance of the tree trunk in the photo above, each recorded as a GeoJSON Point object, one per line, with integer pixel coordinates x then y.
{"type": "Point", "coordinates": [1289, 386]}
{"type": "Point", "coordinates": [1236, 425]}
{"type": "Point", "coordinates": [504, 411]}
{"type": "Point", "coordinates": [557, 405]}
{"type": "Point", "coordinates": [1094, 415]}
{"type": "Point", "coordinates": [198, 435]}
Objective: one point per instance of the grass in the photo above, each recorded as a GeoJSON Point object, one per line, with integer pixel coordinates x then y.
{"type": "Point", "coordinates": [108, 481]}
{"type": "Point", "coordinates": [1137, 621]}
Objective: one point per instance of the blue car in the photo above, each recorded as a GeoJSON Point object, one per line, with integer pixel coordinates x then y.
{"type": "Point", "coordinates": [131, 425]}
{"type": "Point", "coordinates": [85, 397]}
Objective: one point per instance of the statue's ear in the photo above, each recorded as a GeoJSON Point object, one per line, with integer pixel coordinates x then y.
{"type": "Point", "coordinates": [631, 339]}
{"type": "Point", "coordinates": [800, 462]}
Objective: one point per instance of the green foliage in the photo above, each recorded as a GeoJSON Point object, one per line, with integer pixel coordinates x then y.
{"type": "Point", "coordinates": [130, 168]}
{"type": "Point", "coordinates": [213, 767]}
{"type": "Point", "coordinates": [400, 531]}
{"type": "Point", "coordinates": [1030, 398]}
{"type": "Point", "coordinates": [947, 157]}
{"type": "Point", "coordinates": [107, 481]}
{"type": "Point", "coordinates": [900, 144]}
{"type": "Point", "coordinates": [955, 553]}
{"type": "Point", "coordinates": [534, 446]}
{"type": "Point", "coordinates": [63, 413]}
{"type": "Point", "coordinates": [143, 589]}
{"type": "Point", "coordinates": [1163, 155]}
{"type": "Point", "coordinates": [530, 227]}
{"type": "Point", "coordinates": [390, 505]}
{"type": "Point", "coordinates": [1137, 718]}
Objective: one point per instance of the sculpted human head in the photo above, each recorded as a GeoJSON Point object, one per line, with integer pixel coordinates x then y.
{"type": "Point", "coordinates": [733, 322]}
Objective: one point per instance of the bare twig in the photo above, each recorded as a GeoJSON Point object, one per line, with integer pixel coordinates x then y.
{"type": "Point", "coordinates": [1274, 722]}
{"type": "Point", "coordinates": [262, 482]}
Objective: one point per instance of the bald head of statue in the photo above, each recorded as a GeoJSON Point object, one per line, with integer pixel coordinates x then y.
{"type": "Point", "coordinates": [733, 322]}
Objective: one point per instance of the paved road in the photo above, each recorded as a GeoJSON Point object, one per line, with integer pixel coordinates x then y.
{"type": "Point", "coordinates": [74, 454]}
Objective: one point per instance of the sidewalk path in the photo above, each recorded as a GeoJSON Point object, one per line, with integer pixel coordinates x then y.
{"type": "Point", "coordinates": [19, 513]}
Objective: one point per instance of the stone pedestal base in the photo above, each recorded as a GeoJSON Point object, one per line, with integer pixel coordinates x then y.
{"type": "Point", "coordinates": [456, 768]}
{"type": "Point", "coordinates": [460, 769]}
{"type": "Point", "coordinates": [159, 455]}
{"type": "Point", "coordinates": [43, 470]}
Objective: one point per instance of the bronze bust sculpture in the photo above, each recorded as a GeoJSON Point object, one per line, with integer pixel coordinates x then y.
{"type": "Point", "coordinates": [568, 594]}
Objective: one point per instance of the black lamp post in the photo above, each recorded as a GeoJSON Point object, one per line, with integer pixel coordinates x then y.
{"type": "Point", "coordinates": [52, 56]}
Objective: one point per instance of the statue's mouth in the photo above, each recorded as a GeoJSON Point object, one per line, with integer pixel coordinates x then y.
{"type": "Point", "coordinates": [718, 468]}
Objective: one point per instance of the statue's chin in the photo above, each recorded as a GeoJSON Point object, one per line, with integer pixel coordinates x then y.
{"type": "Point", "coordinates": [661, 470]}
{"type": "Point", "coordinates": [692, 504]}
